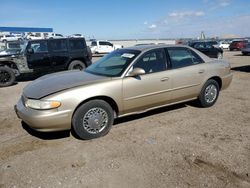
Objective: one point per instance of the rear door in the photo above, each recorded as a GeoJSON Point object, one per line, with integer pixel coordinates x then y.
{"type": "Point", "coordinates": [58, 53]}
{"type": "Point", "coordinates": [77, 49]}
{"type": "Point", "coordinates": [187, 73]}
{"type": "Point", "coordinates": [39, 57]}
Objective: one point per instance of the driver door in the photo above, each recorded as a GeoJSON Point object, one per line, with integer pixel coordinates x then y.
{"type": "Point", "coordinates": [152, 88]}
{"type": "Point", "coordinates": [38, 55]}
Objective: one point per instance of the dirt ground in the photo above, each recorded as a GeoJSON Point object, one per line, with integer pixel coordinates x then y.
{"type": "Point", "coordinates": [177, 146]}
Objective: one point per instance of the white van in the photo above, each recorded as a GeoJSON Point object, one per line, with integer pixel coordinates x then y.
{"type": "Point", "coordinates": [99, 47]}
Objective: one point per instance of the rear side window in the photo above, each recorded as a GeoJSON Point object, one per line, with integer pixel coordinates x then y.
{"type": "Point", "coordinates": [58, 45]}
{"type": "Point", "coordinates": [77, 44]}
{"type": "Point", "coordinates": [183, 57]}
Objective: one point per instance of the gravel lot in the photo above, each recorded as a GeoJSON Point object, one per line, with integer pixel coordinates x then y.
{"type": "Point", "coordinates": [177, 146]}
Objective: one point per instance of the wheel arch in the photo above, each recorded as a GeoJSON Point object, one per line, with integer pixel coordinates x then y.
{"type": "Point", "coordinates": [107, 99]}
{"type": "Point", "coordinates": [217, 79]}
{"type": "Point", "coordinates": [9, 64]}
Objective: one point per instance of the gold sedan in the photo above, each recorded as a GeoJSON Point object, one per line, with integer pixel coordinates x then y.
{"type": "Point", "coordinates": [127, 81]}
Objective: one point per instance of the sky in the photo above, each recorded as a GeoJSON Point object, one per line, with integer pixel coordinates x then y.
{"type": "Point", "coordinates": [131, 19]}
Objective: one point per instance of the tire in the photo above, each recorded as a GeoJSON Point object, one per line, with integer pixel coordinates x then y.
{"type": "Point", "coordinates": [76, 65]}
{"type": "Point", "coordinates": [244, 53]}
{"type": "Point", "coordinates": [219, 55]}
{"type": "Point", "coordinates": [85, 126]}
{"type": "Point", "coordinates": [7, 77]}
{"type": "Point", "coordinates": [209, 94]}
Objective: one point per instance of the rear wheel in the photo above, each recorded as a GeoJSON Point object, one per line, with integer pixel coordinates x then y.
{"type": "Point", "coordinates": [209, 94]}
{"type": "Point", "coordinates": [89, 53]}
{"type": "Point", "coordinates": [76, 64]}
{"type": "Point", "coordinates": [219, 55]}
{"type": "Point", "coordinates": [7, 76]}
{"type": "Point", "coordinates": [93, 119]}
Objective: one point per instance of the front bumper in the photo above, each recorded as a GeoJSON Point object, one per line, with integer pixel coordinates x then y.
{"type": "Point", "coordinates": [44, 120]}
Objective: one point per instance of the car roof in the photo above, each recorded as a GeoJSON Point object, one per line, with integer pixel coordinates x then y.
{"type": "Point", "coordinates": [65, 38]}
{"type": "Point", "coordinates": [147, 47]}
{"type": "Point", "coordinates": [144, 48]}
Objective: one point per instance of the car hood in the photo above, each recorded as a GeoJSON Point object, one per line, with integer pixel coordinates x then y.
{"type": "Point", "coordinates": [56, 82]}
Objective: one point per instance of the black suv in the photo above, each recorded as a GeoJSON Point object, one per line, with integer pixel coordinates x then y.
{"type": "Point", "coordinates": [210, 48]}
{"type": "Point", "coordinates": [42, 56]}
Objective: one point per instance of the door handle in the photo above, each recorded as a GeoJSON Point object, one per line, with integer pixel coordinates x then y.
{"type": "Point", "coordinates": [201, 71]}
{"type": "Point", "coordinates": [164, 79]}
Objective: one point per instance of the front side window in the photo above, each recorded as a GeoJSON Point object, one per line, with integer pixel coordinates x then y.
{"type": "Point", "coordinates": [199, 45]}
{"type": "Point", "coordinates": [183, 57]}
{"type": "Point", "coordinates": [39, 47]}
{"type": "Point", "coordinates": [109, 44]}
{"type": "Point", "coordinates": [103, 43]}
{"type": "Point", "coordinates": [113, 64]}
{"type": "Point", "coordinates": [154, 61]}
{"type": "Point", "coordinates": [208, 45]}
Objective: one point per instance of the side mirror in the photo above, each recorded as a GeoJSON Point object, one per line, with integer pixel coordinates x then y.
{"type": "Point", "coordinates": [30, 51]}
{"type": "Point", "coordinates": [136, 72]}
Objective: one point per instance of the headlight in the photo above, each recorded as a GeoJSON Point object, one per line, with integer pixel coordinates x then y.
{"type": "Point", "coordinates": [42, 104]}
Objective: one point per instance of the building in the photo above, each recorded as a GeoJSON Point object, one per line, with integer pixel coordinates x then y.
{"type": "Point", "coordinates": [39, 32]}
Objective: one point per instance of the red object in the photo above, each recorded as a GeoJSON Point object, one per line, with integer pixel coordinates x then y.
{"type": "Point", "coordinates": [237, 45]}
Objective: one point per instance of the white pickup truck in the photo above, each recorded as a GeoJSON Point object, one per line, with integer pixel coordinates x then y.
{"type": "Point", "coordinates": [99, 47]}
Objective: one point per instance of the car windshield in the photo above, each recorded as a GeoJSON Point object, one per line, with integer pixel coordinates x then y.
{"type": "Point", "coordinates": [113, 64]}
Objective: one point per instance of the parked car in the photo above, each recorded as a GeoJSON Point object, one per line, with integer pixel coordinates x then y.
{"type": "Point", "coordinates": [210, 48]}
{"type": "Point", "coordinates": [99, 47]}
{"type": "Point", "coordinates": [127, 81]}
{"type": "Point", "coordinates": [42, 56]}
{"type": "Point", "coordinates": [77, 36]}
{"type": "Point", "coordinates": [237, 44]}
{"type": "Point", "coordinates": [10, 48]}
{"type": "Point", "coordinates": [7, 38]}
{"type": "Point", "coordinates": [54, 36]}
{"type": "Point", "coordinates": [224, 44]}
{"type": "Point", "coordinates": [34, 37]}
{"type": "Point", "coordinates": [246, 50]}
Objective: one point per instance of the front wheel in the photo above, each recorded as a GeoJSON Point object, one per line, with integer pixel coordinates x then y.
{"type": "Point", "coordinates": [93, 119]}
{"type": "Point", "coordinates": [209, 93]}
{"type": "Point", "coordinates": [7, 77]}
